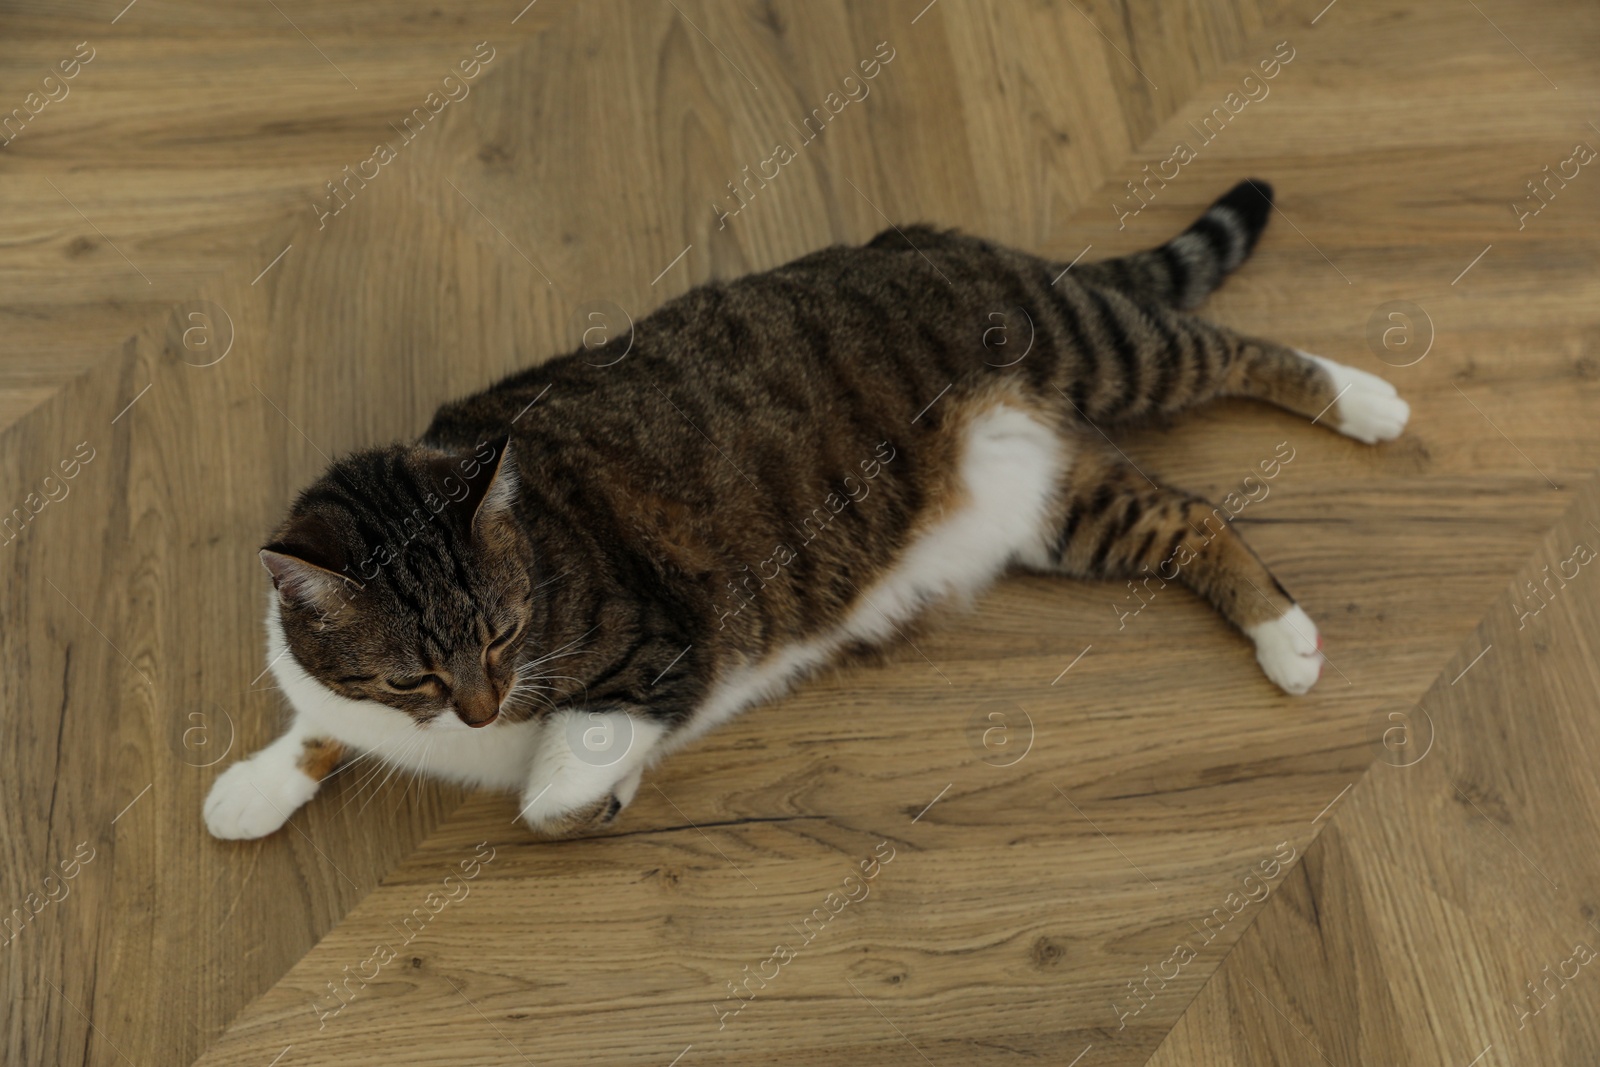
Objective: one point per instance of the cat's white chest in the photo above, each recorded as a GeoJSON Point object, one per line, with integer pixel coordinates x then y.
{"type": "Point", "coordinates": [496, 756]}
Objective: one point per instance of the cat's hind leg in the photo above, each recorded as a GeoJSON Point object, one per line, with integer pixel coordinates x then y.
{"type": "Point", "coordinates": [586, 769]}
{"type": "Point", "coordinates": [1150, 359]}
{"type": "Point", "coordinates": [1354, 402]}
{"type": "Point", "coordinates": [1114, 523]}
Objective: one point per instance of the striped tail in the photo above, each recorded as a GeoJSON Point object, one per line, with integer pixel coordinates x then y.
{"type": "Point", "coordinates": [1185, 270]}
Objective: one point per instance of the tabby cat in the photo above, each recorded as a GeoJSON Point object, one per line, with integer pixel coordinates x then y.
{"type": "Point", "coordinates": [598, 559]}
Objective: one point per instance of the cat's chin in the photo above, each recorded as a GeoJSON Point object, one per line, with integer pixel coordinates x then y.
{"type": "Point", "coordinates": [449, 722]}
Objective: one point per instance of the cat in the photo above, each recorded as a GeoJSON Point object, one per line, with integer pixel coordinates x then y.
{"type": "Point", "coordinates": [596, 560]}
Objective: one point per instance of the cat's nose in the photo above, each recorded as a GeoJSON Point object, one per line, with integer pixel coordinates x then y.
{"type": "Point", "coordinates": [477, 709]}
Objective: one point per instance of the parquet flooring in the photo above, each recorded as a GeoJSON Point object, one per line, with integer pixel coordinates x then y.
{"type": "Point", "coordinates": [587, 169]}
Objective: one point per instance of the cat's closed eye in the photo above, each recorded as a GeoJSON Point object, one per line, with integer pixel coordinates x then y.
{"type": "Point", "coordinates": [412, 685]}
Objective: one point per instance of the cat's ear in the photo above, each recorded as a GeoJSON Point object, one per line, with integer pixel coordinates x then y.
{"type": "Point", "coordinates": [304, 564]}
{"type": "Point", "coordinates": [493, 488]}
{"type": "Point", "coordinates": [480, 487]}
{"type": "Point", "coordinates": [500, 493]}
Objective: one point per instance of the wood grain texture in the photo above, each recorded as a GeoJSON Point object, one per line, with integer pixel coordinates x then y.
{"type": "Point", "coordinates": [1159, 770]}
{"type": "Point", "coordinates": [1448, 911]}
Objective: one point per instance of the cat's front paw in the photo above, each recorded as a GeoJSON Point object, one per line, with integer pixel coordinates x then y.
{"type": "Point", "coordinates": [1367, 407]}
{"type": "Point", "coordinates": [572, 822]}
{"type": "Point", "coordinates": [255, 797]}
{"type": "Point", "coordinates": [1289, 650]}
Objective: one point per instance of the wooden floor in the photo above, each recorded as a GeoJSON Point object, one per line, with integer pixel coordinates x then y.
{"type": "Point", "coordinates": [1112, 842]}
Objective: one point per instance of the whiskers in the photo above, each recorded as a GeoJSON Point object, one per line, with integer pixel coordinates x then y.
{"type": "Point", "coordinates": [538, 687]}
{"type": "Point", "coordinates": [418, 744]}
{"type": "Point", "coordinates": [528, 696]}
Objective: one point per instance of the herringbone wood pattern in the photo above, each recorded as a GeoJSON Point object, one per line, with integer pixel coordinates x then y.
{"type": "Point", "coordinates": [167, 204]}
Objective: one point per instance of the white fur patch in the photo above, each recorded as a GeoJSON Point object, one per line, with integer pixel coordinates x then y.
{"type": "Point", "coordinates": [1288, 650]}
{"type": "Point", "coordinates": [581, 756]}
{"type": "Point", "coordinates": [256, 796]}
{"type": "Point", "coordinates": [1367, 408]}
{"type": "Point", "coordinates": [496, 755]}
{"type": "Point", "coordinates": [1010, 472]}
{"type": "Point", "coordinates": [563, 763]}
{"type": "Point", "coordinates": [744, 686]}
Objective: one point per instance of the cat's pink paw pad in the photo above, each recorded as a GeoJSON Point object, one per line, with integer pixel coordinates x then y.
{"type": "Point", "coordinates": [255, 797]}
{"type": "Point", "coordinates": [1366, 407]}
{"type": "Point", "coordinates": [1289, 650]}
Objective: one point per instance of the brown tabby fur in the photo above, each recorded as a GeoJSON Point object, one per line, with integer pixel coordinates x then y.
{"type": "Point", "coordinates": [760, 457]}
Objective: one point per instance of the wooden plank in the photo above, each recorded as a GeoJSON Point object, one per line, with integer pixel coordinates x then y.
{"type": "Point", "coordinates": [1446, 914]}
{"type": "Point", "coordinates": [588, 157]}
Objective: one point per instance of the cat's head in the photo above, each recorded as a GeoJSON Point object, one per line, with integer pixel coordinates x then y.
{"type": "Point", "coordinates": [403, 576]}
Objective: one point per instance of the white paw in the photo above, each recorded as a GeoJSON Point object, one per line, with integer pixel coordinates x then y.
{"type": "Point", "coordinates": [1367, 408]}
{"type": "Point", "coordinates": [256, 796]}
{"type": "Point", "coordinates": [586, 768]}
{"type": "Point", "coordinates": [625, 790]}
{"type": "Point", "coordinates": [566, 818]}
{"type": "Point", "coordinates": [1287, 649]}
{"type": "Point", "coordinates": [540, 807]}
{"type": "Point", "coordinates": [576, 798]}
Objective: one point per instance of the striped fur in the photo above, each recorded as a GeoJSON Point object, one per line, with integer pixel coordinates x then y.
{"type": "Point", "coordinates": [1188, 268]}
{"type": "Point", "coordinates": [669, 536]}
